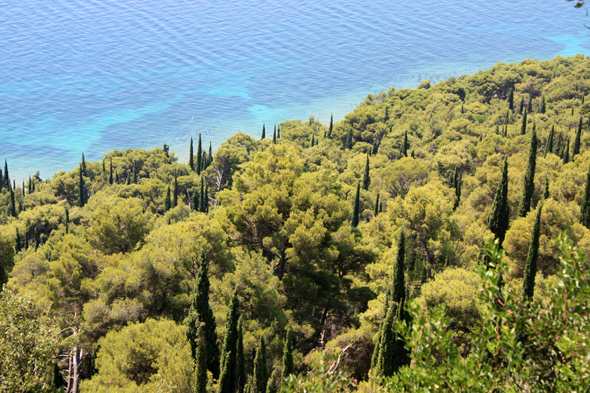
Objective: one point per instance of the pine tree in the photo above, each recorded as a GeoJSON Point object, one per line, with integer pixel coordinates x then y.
{"type": "Point", "coordinates": [523, 126]}
{"type": "Point", "coordinates": [543, 107]}
{"type": "Point", "coordinates": [199, 155]}
{"type": "Point", "coordinates": [529, 179]}
{"type": "Point", "coordinates": [511, 99]}
{"type": "Point", "coordinates": [175, 195]}
{"type": "Point", "coordinates": [288, 367]}
{"type": "Point", "coordinates": [201, 361]}
{"type": "Point", "coordinates": [357, 206]}
{"type": "Point", "coordinates": [273, 382]}
{"type": "Point", "coordinates": [228, 380]}
{"type": "Point", "coordinates": [585, 207]}
{"type": "Point", "coordinates": [191, 159]}
{"type": "Point", "coordinates": [331, 128]}
{"type": "Point", "coordinates": [241, 359]}
{"type": "Point", "coordinates": [366, 175]}
{"type": "Point", "coordinates": [67, 220]}
{"type": "Point", "coordinates": [111, 173]}
{"type": "Point", "coordinates": [260, 368]}
{"type": "Point", "coordinates": [81, 188]}
{"type": "Point", "coordinates": [200, 313]}
{"type": "Point", "coordinates": [376, 205]}
{"type": "Point", "coordinates": [549, 145]}
{"type": "Point", "coordinates": [263, 132]}
{"type": "Point", "coordinates": [498, 219]}
{"type": "Point", "coordinates": [530, 271]}
{"type": "Point", "coordinates": [167, 202]}
{"type": "Point", "coordinates": [577, 140]}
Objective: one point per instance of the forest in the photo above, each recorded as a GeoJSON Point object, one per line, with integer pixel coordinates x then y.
{"type": "Point", "coordinates": [432, 240]}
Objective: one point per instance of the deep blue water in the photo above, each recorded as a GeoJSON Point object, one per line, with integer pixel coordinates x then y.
{"type": "Point", "coordinates": [95, 75]}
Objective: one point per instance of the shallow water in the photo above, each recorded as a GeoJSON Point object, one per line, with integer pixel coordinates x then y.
{"type": "Point", "coordinates": [94, 75]}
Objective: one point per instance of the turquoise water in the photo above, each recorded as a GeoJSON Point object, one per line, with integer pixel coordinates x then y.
{"type": "Point", "coordinates": [94, 75]}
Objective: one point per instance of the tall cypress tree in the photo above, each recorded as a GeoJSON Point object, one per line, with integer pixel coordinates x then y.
{"type": "Point", "coordinates": [273, 382]}
{"type": "Point", "coordinates": [67, 220]}
{"type": "Point", "coordinates": [263, 132]}
{"type": "Point", "coordinates": [6, 176]}
{"type": "Point", "coordinates": [523, 126]}
{"type": "Point", "coordinates": [200, 314]}
{"type": "Point", "coordinates": [17, 242]}
{"type": "Point", "coordinates": [201, 361]}
{"type": "Point", "coordinates": [577, 141]}
{"type": "Point", "coordinates": [196, 200]}
{"type": "Point", "coordinates": [549, 145]}
{"type": "Point", "coordinates": [585, 207]}
{"type": "Point", "coordinates": [376, 205]}
{"type": "Point", "coordinates": [199, 155]}
{"type": "Point", "coordinates": [349, 139]}
{"type": "Point", "coordinates": [111, 172]}
{"type": "Point", "coordinates": [530, 107]}
{"type": "Point", "coordinates": [357, 206]}
{"type": "Point", "coordinates": [566, 151]}
{"type": "Point", "coordinates": [103, 167]}
{"type": "Point", "coordinates": [81, 188]}
{"type": "Point", "coordinates": [191, 159]}
{"type": "Point", "coordinates": [511, 99]}
{"type": "Point", "coordinates": [331, 126]}
{"type": "Point", "coordinates": [12, 203]}
{"type": "Point", "coordinates": [274, 136]}
{"type": "Point", "coordinates": [543, 107]}
{"type": "Point", "coordinates": [521, 106]}
{"type": "Point", "coordinates": [499, 217]}
{"type": "Point", "coordinates": [175, 197]}
{"type": "Point", "coordinates": [228, 380]}
{"type": "Point", "coordinates": [386, 348]}
{"type": "Point", "coordinates": [530, 271]}
{"type": "Point", "coordinates": [210, 155]}
{"type": "Point", "coordinates": [288, 367]}
{"type": "Point", "coordinates": [206, 196]}
{"type": "Point", "coordinates": [83, 166]}
{"type": "Point", "coordinates": [366, 175]}
{"type": "Point", "coordinates": [405, 145]}
{"type": "Point", "coordinates": [203, 197]}
{"type": "Point", "coordinates": [279, 131]}
{"type": "Point", "coordinates": [312, 140]}
{"type": "Point", "coordinates": [529, 179]}
{"type": "Point", "coordinates": [398, 289]}
{"type": "Point", "coordinates": [167, 202]}
{"type": "Point", "coordinates": [260, 368]}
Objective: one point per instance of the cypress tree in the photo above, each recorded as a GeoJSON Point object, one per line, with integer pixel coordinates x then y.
{"type": "Point", "coordinates": [30, 186]}
{"type": "Point", "coordinates": [67, 220]}
{"type": "Point", "coordinates": [203, 197]}
{"type": "Point", "coordinates": [103, 167]}
{"type": "Point", "coordinates": [529, 179]}
{"type": "Point", "coordinates": [111, 173]}
{"type": "Point", "coordinates": [288, 367]}
{"type": "Point", "coordinates": [23, 188]}
{"type": "Point", "coordinates": [199, 155]}
{"type": "Point", "coordinates": [566, 152]}
{"type": "Point", "coordinates": [331, 128]}
{"type": "Point", "coordinates": [241, 359]}
{"type": "Point", "coordinates": [191, 159]}
{"type": "Point", "coordinates": [401, 356]}
{"type": "Point", "coordinates": [530, 107]}
{"type": "Point", "coordinates": [376, 205]}
{"type": "Point", "coordinates": [366, 176]}
{"type": "Point", "coordinates": [385, 350]}
{"type": "Point", "coordinates": [273, 382]}
{"type": "Point", "coordinates": [585, 207]}
{"type": "Point", "coordinates": [167, 202]}
{"type": "Point", "coordinates": [83, 166]}
{"type": "Point", "coordinates": [279, 131]}
{"type": "Point", "coordinates": [398, 289]}
{"type": "Point", "coordinates": [498, 219]}
{"type": "Point", "coordinates": [201, 361]}
{"type": "Point", "coordinates": [263, 132]}
{"type": "Point", "coordinates": [200, 313]}
{"type": "Point", "coordinates": [260, 370]}
{"type": "Point", "coordinates": [549, 145]}
{"type": "Point", "coordinates": [521, 106]}
{"type": "Point", "coordinates": [196, 198]}
{"type": "Point", "coordinates": [462, 109]}
{"type": "Point", "coordinates": [274, 136]}
{"type": "Point", "coordinates": [546, 195]}
{"type": "Point", "coordinates": [37, 238]}
{"type": "Point", "coordinates": [543, 107]}
{"type": "Point", "coordinates": [511, 99]}
{"type": "Point", "coordinates": [134, 172]}
{"type": "Point", "coordinates": [6, 176]}
{"type": "Point", "coordinates": [117, 177]}
{"type": "Point", "coordinates": [458, 186]}
{"type": "Point", "coordinates": [405, 145]}
{"type": "Point", "coordinates": [228, 380]}
{"type": "Point", "coordinates": [357, 206]}
{"type": "Point", "coordinates": [386, 118]}
{"type": "Point", "coordinates": [17, 242]}
{"type": "Point", "coordinates": [175, 195]}
{"type": "Point", "coordinates": [81, 188]}
{"type": "Point", "coordinates": [572, 110]}
{"type": "Point", "coordinates": [206, 195]}
{"type": "Point", "coordinates": [312, 140]}
{"type": "Point", "coordinates": [577, 141]}
{"type": "Point", "coordinates": [210, 157]}
{"type": "Point", "coordinates": [530, 271]}
{"type": "Point", "coordinates": [523, 126]}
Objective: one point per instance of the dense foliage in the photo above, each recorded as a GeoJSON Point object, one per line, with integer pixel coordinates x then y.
{"type": "Point", "coordinates": [300, 260]}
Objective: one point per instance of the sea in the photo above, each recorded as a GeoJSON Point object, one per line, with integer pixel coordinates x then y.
{"type": "Point", "coordinates": [91, 76]}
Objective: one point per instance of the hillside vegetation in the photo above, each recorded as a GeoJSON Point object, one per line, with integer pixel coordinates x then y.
{"type": "Point", "coordinates": [349, 255]}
